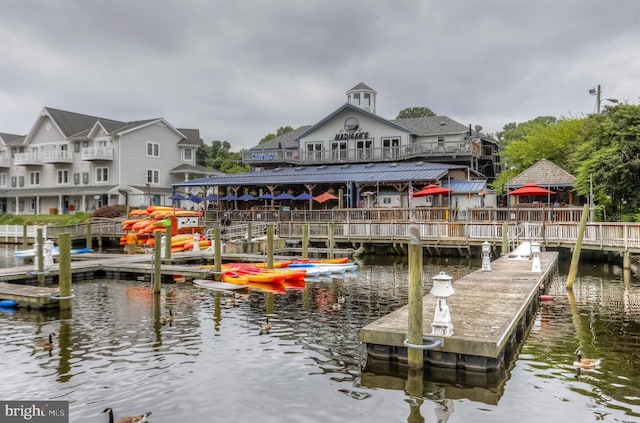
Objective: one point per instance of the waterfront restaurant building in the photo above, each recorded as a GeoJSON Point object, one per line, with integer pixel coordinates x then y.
{"type": "Point", "coordinates": [366, 160]}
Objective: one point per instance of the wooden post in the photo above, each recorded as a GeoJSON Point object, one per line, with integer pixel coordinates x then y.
{"type": "Point", "coordinates": [64, 277]}
{"type": "Point", "coordinates": [167, 245]}
{"type": "Point", "coordinates": [269, 246]}
{"type": "Point", "coordinates": [415, 388]}
{"type": "Point", "coordinates": [415, 356]}
{"type": "Point", "coordinates": [40, 256]}
{"type": "Point", "coordinates": [626, 260]}
{"type": "Point", "coordinates": [89, 238]}
{"type": "Point", "coordinates": [157, 263]}
{"type": "Point", "coordinates": [305, 241]}
{"type": "Point", "coordinates": [332, 242]}
{"type": "Point", "coordinates": [505, 239]}
{"type": "Point", "coordinates": [217, 254]}
{"type": "Point", "coordinates": [575, 258]}
{"type": "Point", "coordinates": [25, 237]}
{"type": "Point", "coordinates": [249, 229]}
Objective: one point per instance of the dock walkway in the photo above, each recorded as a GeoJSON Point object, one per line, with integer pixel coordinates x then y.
{"type": "Point", "coordinates": [490, 312]}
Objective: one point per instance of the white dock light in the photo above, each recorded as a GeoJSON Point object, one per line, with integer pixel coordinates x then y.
{"type": "Point", "coordinates": [442, 290]}
{"type": "Point", "coordinates": [196, 242]}
{"type": "Point", "coordinates": [47, 252]}
{"type": "Point", "coordinates": [486, 256]}
{"type": "Point", "coordinates": [535, 254]}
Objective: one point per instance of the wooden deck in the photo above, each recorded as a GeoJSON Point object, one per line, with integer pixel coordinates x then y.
{"type": "Point", "coordinates": [490, 312]}
{"type": "Point", "coordinates": [29, 295]}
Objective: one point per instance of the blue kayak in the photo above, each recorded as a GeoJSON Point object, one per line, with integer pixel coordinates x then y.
{"type": "Point", "coordinates": [8, 303]}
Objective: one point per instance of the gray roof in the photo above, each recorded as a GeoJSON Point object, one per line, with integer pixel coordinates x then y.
{"type": "Point", "coordinates": [544, 173]}
{"type": "Point", "coordinates": [361, 86]}
{"type": "Point", "coordinates": [11, 138]}
{"type": "Point", "coordinates": [75, 190]}
{"type": "Point", "coordinates": [287, 140]}
{"type": "Point", "coordinates": [200, 170]}
{"type": "Point", "coordinates": [432, 125]}
{"type": "Point", "coordinates": [359, 173]}
{"type": "Point", "coordinates": [74, 123]}
{"type": "Point", "coordinates": [192, 137]}
{"type": "Point", "coordinates": [471, 186]}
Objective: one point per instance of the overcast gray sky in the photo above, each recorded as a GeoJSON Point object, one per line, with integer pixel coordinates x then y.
{"type": "Point", "coordinates": [238, 70]}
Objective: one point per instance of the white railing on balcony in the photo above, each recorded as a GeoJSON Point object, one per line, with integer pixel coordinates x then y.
{"type": "Point", "coordinates": [28, 158]}
{"type": "Point", "coordinates": [365, 155]}
{"type": "Point", "coordinates": [5, 161]}
{"type": "Point", "coordinates": [97, 153]}
{"type": "Point", "coordinates": [57, 156]}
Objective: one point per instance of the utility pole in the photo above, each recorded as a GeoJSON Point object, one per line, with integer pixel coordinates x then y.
{"type": "Point", "coordinates": [596, 92]}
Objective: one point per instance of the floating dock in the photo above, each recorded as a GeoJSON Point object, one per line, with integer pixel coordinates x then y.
{"type": "Point", "coordinates": [491, 312]}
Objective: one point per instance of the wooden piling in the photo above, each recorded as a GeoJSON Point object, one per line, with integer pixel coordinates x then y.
{"type": "Point", "coordinates": [269, 246]}
{"type": "Point", "coordinates": [332, 241]}
{"type": "Point", "coordinates": [415, 356]}
{"type": "Point", "coordinates": [167, 245]}
{"type": "Point", "coordinates": [64, 276]}
{"type": "Point", "coordinates": [25, 237]}
{"type": "Point", "coordinates": [89, 239]}
{"type": "Point", "coordinates": [217, 254]}
{"type": "Point", "coordinates": [575, 258]}
{"type": "Point", "coordinates": [249, 229]}
{"type": "Point", "coordinates": [505, 239]}
{"type": "Point", "coordinates": [305, 241]}
{"type": "Point", "coordinates": [40, 256]}
{"type": "Point", "coordinates": [626, 260]}
{"type": "Point", "coordinates": [157, 263]}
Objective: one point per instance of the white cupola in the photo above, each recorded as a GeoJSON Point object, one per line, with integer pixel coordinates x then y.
{"type": "Point", "coordinates": [363, 96]}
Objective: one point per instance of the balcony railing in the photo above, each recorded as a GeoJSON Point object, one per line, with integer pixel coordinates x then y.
{"type": "Point", "coordinates": [57, 156]}
{"type": "Point", "coordinates": [5, 161]}
{"type": "Point", "coordinates": [457, 149]}
{"type": "Point", "coordinates": [97, 153]}
{"type": "Point", "coordinates": [29, 158]}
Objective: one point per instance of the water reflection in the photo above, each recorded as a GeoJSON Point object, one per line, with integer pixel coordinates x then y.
{"type": "Point", "coordinates": [113, 350]}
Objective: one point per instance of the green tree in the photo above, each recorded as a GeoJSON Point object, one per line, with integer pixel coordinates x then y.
{"type": "Point", "coordinates": [218, 156]}
{"type": "Point", "coordinates": [540, 138]}
{"type": "Point", "coordinates": [281, 131]}
{"type": "Point", "coordinates": [415, 112]}
{"type": "Point", "coordinates": [610, 157]}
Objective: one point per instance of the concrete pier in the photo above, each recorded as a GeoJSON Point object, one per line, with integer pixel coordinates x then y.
{"type": "Point", "coordinates": [490, 311]}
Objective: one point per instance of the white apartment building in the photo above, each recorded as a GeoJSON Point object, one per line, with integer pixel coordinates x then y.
{"type": "Point", "coordinates": [74, 162]}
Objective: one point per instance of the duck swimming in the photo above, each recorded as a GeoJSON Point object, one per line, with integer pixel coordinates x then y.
{"type": "Point", "coordinates": [133, 419]}
{"type": "Point", "coordinates": [46, 345]}
{"type": "Point", "coordinates": [265, 327]}
{"type": "Point", "coordinates": [586, 363]}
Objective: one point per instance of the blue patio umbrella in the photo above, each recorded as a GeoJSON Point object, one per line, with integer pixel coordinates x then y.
{"type": "Point", "coordinates": [211, 198]}
{"type": "Point", "coordinates": [304, 196]}
{"type": "Point", "coordinates": [265, 196]}
{"type": "Point", "coordinates": [196, 199]}
{"type": "Point", "coordinates": [284, 196]}
{"type": "Point", "coordinates": [246, 197]}
{"type": "Point", "coordinates": [177, 197]}
{"type": "Point", "coordinates": [229, 197]}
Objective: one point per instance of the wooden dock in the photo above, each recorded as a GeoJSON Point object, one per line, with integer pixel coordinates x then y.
{"type": "Point", "coordinates": [29, 295]}
{"type": "Point", "coordinates": [490, 311]}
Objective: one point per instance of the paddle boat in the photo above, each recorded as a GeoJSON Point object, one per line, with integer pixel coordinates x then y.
{"type": "Point", "coordinates": [56, 252]}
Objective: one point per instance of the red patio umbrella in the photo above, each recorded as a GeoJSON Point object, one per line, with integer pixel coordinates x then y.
{"type": "Point", "coordinates": [531, 190]}
{"type": "Point", "coordinates": [432, 189]}
{"type": "Point", "coordinates": [325, 196]}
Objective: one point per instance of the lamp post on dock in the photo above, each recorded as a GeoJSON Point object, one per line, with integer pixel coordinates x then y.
{"type": "Point", "coordinates": [442, 289]}
{"type": "Point", "coordinates": [535, 257]}
{"type": "Point", "coordinates": [486, 256]}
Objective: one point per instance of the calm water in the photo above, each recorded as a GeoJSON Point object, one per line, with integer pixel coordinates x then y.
{"type": "Point", "coordinates": [212, 364]}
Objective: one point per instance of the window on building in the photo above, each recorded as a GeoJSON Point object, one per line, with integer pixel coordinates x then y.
{"type": "Point", "coordinates": [63, 177]}
{"type": "Point", "coordinates": [33, 204]}
{"type": "Point", "coordinates": [390, 148]}
{"type": "Point", "coordinates": [364, 149]}
{"type": "Point", "coordinates": [34, 178]}
{"type": "Point", "coordinates": [441, 142]}
{"type": "Point", "coordinates": [102, 174]}
{"type": "Point", "coordinates": [314, 151]}
{"type": "Point", "coordinates": [14, 182]}
{"type": "Point", "coordinates": [153, 149]}
{"type": "Point", "coordinates": [356, 99]}
{"type": "Point", "coordinates": [76, 147]}
{"type": "Point", "coordinates": [21, 180]}
{"type": "Point", "coordinates": [85, 178]}
{"type": "Point", "coordinates": [76, 178]}
{"type": "Point", "coordinates": [187, 154]}
{"type": "Point", "coordinates": [3, 179]}
{"type": "Point", "coordinates": [153, 176]}
{"type": "Point", "coordinates": [339, 150]}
